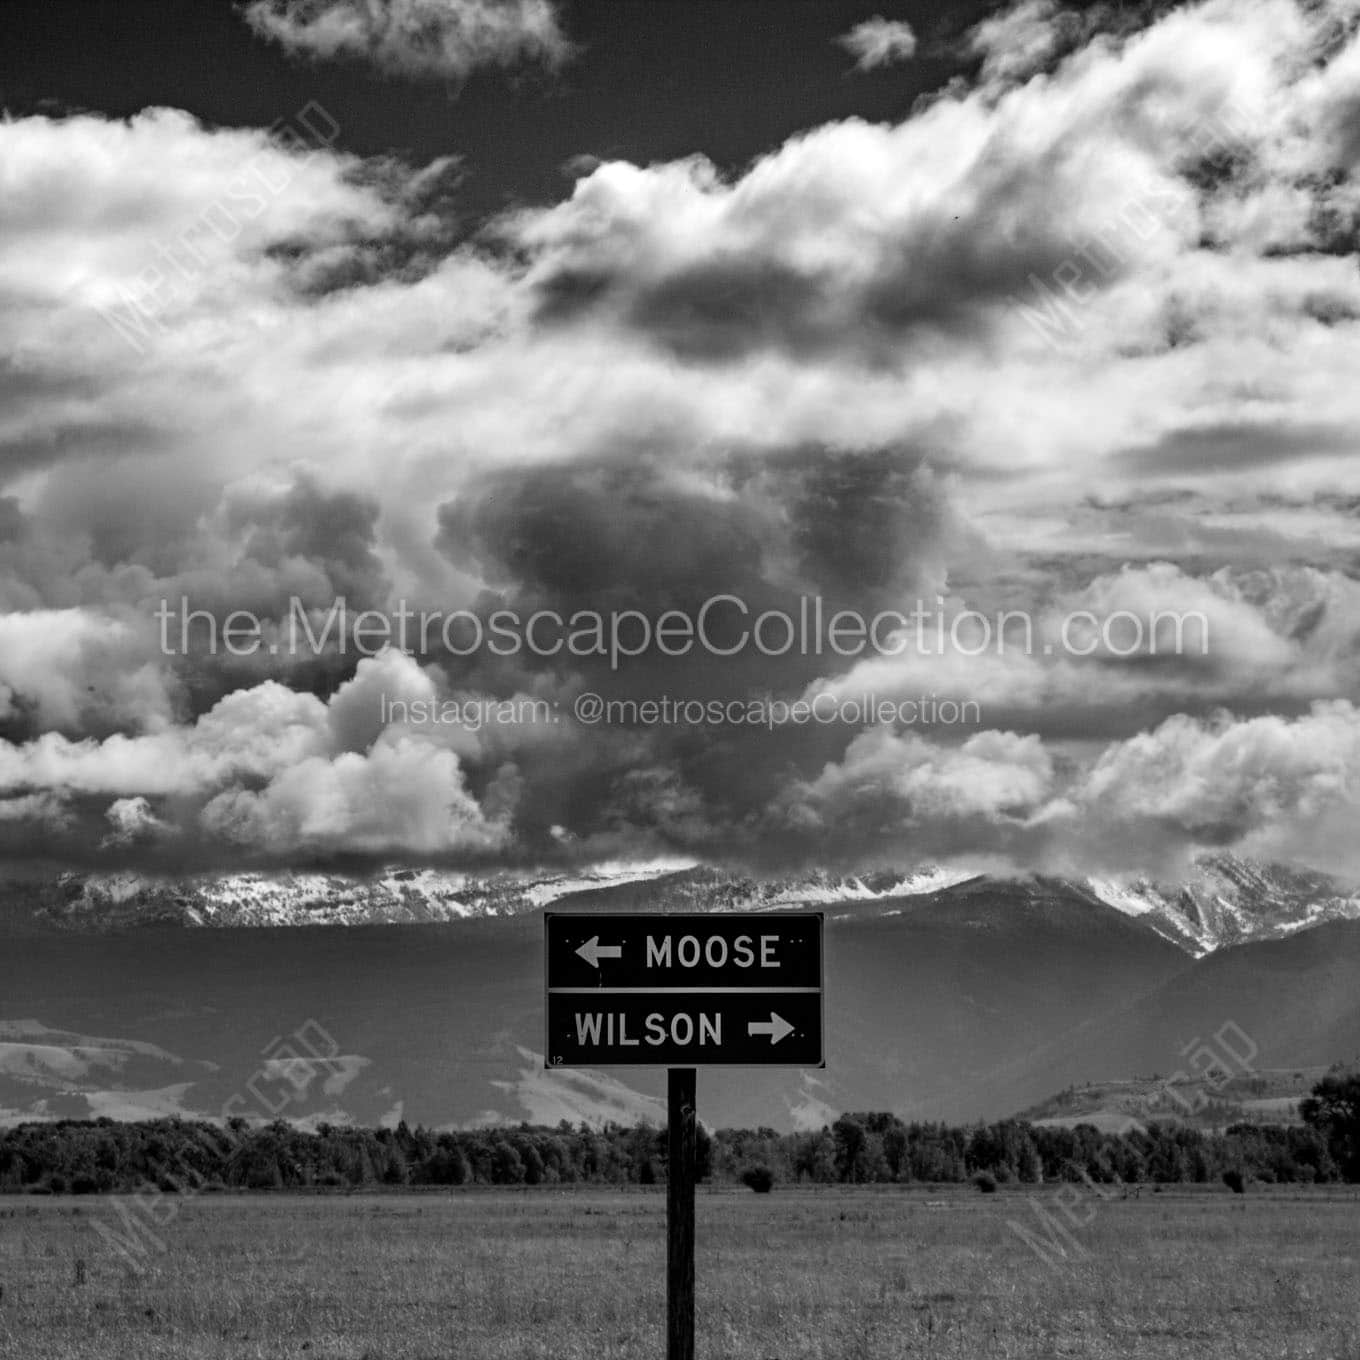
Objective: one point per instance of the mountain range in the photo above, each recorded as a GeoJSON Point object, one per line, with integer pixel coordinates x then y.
{"type": "Point", "coordinates": [1225, 901]}
{"type": "Point", "coordinates": [949, 995]}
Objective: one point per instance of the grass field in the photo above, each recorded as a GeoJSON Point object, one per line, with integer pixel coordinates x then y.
{"type": "Point", "coordinates": [830, 1275]}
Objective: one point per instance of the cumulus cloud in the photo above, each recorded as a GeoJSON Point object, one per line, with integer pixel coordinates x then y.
{"type": "Point", "coordinates": [1266, 785]}
{"type": "Point", "coordinates": [70, 670]}
{"type": "Point", "coordinates": [132, 821]}
{"type": "Point", "coordinates": [275, 773]}
{"type": "Point", "coordinates": [443, 39]}
{"type": "Point", "coordinates": [400, 797]}
{"type": "Point", "coordinates": [1020, 39]}
{"type": "Point", "coordinates": [992, 776]}
{"type": "Point", "coordinates": [879, 42]}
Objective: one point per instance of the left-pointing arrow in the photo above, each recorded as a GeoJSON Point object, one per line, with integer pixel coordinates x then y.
{"type": "Point", "coordinates": [776, 1027]}
{"type": "Point", "coordinates": [593, 951]}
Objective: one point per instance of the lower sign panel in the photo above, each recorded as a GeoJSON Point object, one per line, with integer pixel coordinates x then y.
{"type": "Point", "coordinates": [592, 1028]}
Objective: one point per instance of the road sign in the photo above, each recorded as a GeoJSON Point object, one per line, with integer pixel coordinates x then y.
{"type": "Point", "coordinates": [739, 989]}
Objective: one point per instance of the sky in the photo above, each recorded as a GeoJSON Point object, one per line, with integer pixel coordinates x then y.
{"type": "Point", "coordinates": [922, 317]}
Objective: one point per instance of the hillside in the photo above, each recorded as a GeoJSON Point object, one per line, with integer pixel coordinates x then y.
{"type": "Point", "coordinates": [1262, 1096]}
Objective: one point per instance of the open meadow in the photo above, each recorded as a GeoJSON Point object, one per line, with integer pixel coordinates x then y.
{"type": "Point", "coordinates": [578, 1275]}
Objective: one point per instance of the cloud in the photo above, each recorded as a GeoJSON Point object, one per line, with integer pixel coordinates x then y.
{"type": "Point", "coordinates": [417, 39]}
{"type": "Point", "coordinates": [894, 787]}
{"type": "Point", "coordinates": [274, 773]}
{"type": "Point", "coordinates": [401, 797]}
{"type": "Point", "coordinates": [809, 255]}
{"type": "Point", "coordinates": [70, 670]}
{"type": "Point", "coordinates": [1266, 786]}
{"type": "Point", "coordinates": [1107, 176]}
{"type": "Point", "coordinates": [1076, 332]}
{"type": "Point", "coordinates": [36, 811]}
{"type": "Point", "coordinates": [133, 821]}
{"type": "Point", "coordinates": [1020, 40]}
{"type": "Point", "coordinates": [1115, 655]}
{"type": "Point", "coordinates": [879, 42]}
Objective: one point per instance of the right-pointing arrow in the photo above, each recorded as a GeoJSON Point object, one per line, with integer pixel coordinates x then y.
{"type": "Point", "coordinates": [776, 1027]}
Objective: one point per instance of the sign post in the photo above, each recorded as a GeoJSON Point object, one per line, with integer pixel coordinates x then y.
{"type": "Point", "coordinates": [740, 989]}
{"type": "Point", "coordinates": [681, 1122]}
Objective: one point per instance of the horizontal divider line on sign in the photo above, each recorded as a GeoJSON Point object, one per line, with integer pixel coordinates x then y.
{"type": "Point", "coordinates": [681, 991]}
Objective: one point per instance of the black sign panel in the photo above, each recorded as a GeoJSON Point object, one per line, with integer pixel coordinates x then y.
{"type": "Point", "coordinates": [694, 990]}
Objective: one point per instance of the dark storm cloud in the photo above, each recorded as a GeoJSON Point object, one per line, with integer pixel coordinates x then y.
{"type": "Point", "coordinates": [1232, 446]}
{"type": "Point", "coordinates": [856, 526]}
{"type": "Point", "coordinates": [609, 532]}
{"type": "Point", "coordinates": [24, 382]}
{"type": "Point", "coordinates": [868, 526]}
{"type": "Point", "coordinates": [103, 554]}
{"type": "Point", "coordinates": [140, 511]}
{"type": "Point", "coordinates": [335, 532]}
{"type": "Point", "coordinates": [78, 441]}
{"type": "Point", "coordinates": [618, 534]}
{"type": "Point", "coordinates": [722, 309]}
{"type": "Point", "coordinates": [280, 552]}
{"type": "Point", "coordinates": [130, 534]}
{"type": "Point", "coordinates": [943, 276]}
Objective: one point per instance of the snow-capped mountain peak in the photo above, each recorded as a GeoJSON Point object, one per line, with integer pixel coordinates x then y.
{"type": "Point", "coordinates": [1229, 901]}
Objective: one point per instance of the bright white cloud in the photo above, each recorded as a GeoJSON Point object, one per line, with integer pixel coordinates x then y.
{"type": "Point", "coordinates": [133, 821]}
{"type": "Point", "coordinates": [71, 670]}
{"type": "Point", "coordinates": [879, 42]}
{"type": "Point", "coordinates": [1143, 639]}
{"type": "Point", "coordinates": [992, 776]}
{"type": "Point", "coordinates": [1270, 786]}
{"type": "Point", "coordinates": [275, 772]}
{"type": "Point", "coordinates": [403, 796]}
{"type": "Point", "coordinates": [1017, 41]}
{"type": "Point", "coordinates": [443, 39]}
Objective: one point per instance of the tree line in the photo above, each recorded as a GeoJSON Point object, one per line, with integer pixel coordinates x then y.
{"type": "Point", "coordinates": [177, 1155]}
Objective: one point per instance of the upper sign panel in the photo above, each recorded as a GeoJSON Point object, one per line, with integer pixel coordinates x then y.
{"type": "Point", "coordinates": [770, 949]}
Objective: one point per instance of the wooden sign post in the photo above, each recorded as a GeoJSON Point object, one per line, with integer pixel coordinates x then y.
{"type": "Point", "coordinates": [702, 990]}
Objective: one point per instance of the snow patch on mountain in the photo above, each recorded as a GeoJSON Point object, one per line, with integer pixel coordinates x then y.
{"type": "Point", "coordinates": [547, 891]}
{"type": "Point", "coordinates": [876, 886]}
{"type": "Point", "coordinates": [396, 895]}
